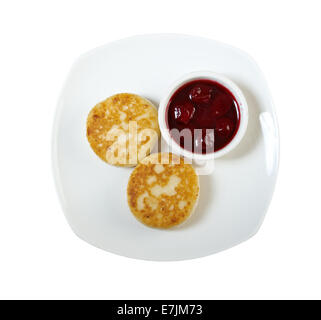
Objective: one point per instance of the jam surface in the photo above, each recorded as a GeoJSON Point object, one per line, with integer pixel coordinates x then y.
{"type": "Point", "coordinates": [207, 106]}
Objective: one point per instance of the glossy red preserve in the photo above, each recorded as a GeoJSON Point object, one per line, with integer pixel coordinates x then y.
{"type": "Point", "coordinates": [203, 104]}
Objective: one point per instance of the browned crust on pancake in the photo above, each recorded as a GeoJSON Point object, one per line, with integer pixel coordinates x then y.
{"type": "Point", "coordinates": [116, 112]}
{"type": "Point", "coordinates": [165, 210]}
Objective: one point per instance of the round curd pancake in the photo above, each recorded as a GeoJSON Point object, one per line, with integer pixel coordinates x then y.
{"type": "Point", "coordinates": [162, 191]}
{"type": "Point", "coordinates": [123, 129]}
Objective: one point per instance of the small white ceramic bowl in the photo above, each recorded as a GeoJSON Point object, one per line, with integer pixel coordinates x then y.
{"type": "Point", "coordinates": [224, 81]}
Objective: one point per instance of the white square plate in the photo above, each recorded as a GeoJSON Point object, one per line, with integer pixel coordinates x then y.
{"type": "Point", "coordinates": [233, 199]}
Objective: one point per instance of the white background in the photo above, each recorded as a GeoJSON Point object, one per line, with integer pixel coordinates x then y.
{"type": "Point", "coordinates": [40, 257]}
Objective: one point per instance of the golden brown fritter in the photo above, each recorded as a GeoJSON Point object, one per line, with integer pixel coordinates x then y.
{"type": "Point", "coordinates": [119, 116]}
{"type": "Point", "coordinates": [163, 195]}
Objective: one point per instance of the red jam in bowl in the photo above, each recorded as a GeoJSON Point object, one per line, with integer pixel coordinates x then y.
{"type": "Point", "coordinates": [205, 105]}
